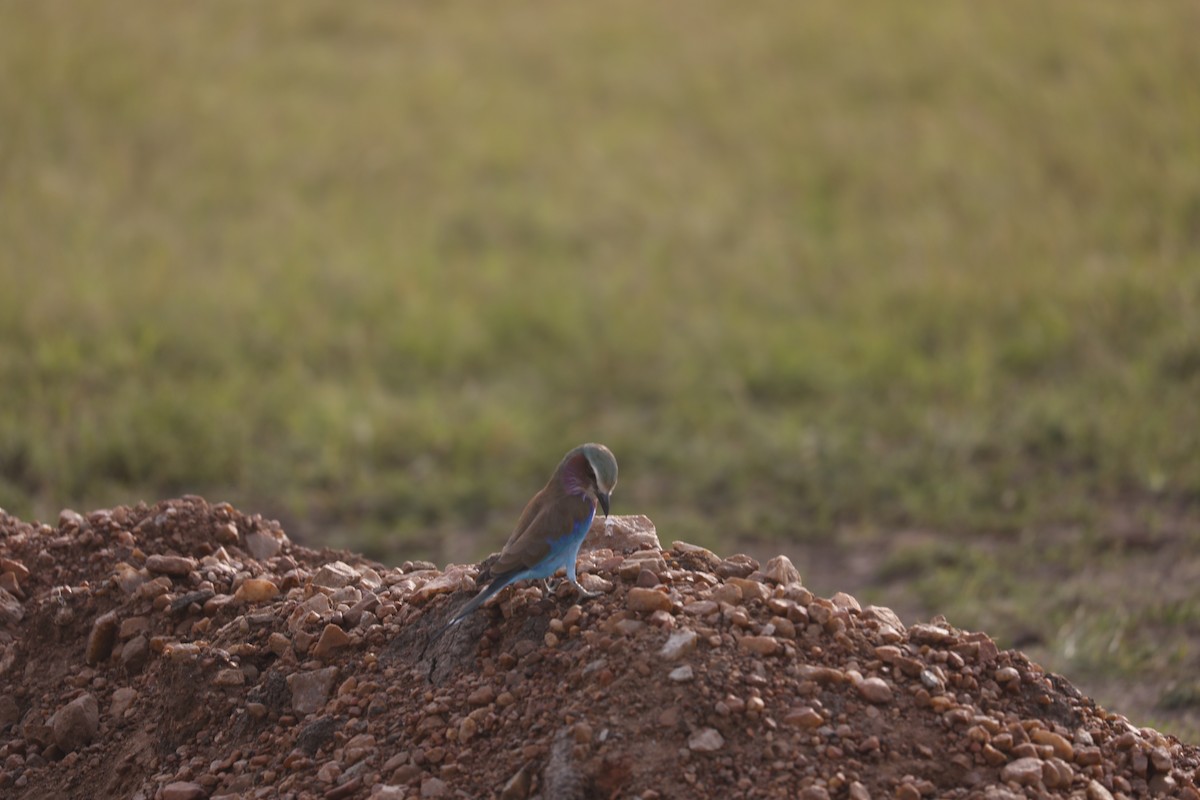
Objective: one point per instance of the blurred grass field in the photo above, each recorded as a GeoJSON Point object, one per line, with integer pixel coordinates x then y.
{"type": "Point", "coordinates": [909, 287]}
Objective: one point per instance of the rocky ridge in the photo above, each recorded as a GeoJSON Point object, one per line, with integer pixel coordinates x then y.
{"type": "Point", "coordinates": [187, 650]}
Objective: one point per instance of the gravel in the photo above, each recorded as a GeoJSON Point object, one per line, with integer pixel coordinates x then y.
{"type": "Point", "coordinates": [188, 650]}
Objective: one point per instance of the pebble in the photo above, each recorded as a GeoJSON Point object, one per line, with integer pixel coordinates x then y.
{"type": "Point", "coordinates": [622, 534]}
{"type": "Point", "coordinates": [1062, 748]}
{"type": "Point", "coordinates": [482, 696]}
{"type": "Point", "coordinates": [706, 740]}
{"type": "Point", "coordinates": [230, 677]}
{"type": "Point", "coordinates": [924, 633]}
{"type": "Point", "coordinates": [751, 589]}
{"type": "Point", "coordinates": [183, 790]}
{"type": "Point", "coordinates": [262, 546]}
{"type": "Point", "coordinates": [102, 638]}
{"type": "Point", "coordinates": [727, 593]}
{"type": "Point", "coordinates": [332, 638]}
{"type": "Point", "coordinates": [681, 674]}
{"type": "Point", "coordinates": [592, 582]}
{"type": "Point", "coordinates": [335, 575]}
{"type": "Point", "coordinates": [170, 565]}
{"type": "Point", "coordinates": [76, 724]}
{"type": "Point", "coordinates": [311, 689]}
{"type": "Point", "coordinates": [875, 690]}
{"type": "Point", "coordinates": [804, 717]}
{"type": "Point", "coordinates": [701, 608]}
{"type": "Point", "coordinates": [762, 645]}
{"type": "Point", "coordinates": [122, 699]}
{"type": "Point", "coordinates": [645, 600]}
{"type": "Point", "coordinates": [1023, 771]}
{"type": "Point", "coordinates": [256, 590]}
{"type": "Point", "coordinates": [135, 654]}
{"type": "Point", "coordinates": [781, 570]}
{"type": "Point", "coordinates": [678, 644]}
{"type": "Point", "coordinates": [433, 787]}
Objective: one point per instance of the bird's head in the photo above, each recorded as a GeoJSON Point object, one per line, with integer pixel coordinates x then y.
{"type": "Point", "coordinates": [595, 469]}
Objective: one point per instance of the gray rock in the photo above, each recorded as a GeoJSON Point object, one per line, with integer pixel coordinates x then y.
{"type": "Point", "coordinates": [622, 534]}
{"type": "Point", "coordinates": [678, 645]}
{"type": "Point", "coordinates": [706, 740]}
{"type": "Point", "coordinates": [781, 570]}
{"type": "Point", "coordinates": [262, 545]}
{"type": "Point", "coordinates": [311, 689]}
{"type": "Point", "coordinates": [335, 575]}
{"type": "Point", "coordinates": [76, 724]}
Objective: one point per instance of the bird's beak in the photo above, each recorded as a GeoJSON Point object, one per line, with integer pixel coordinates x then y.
{"type": "Point", "coordinates": [603, 497]}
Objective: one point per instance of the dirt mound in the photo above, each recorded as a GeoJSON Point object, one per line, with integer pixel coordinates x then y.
{"type": "Point", "coordinates": [191, 651]}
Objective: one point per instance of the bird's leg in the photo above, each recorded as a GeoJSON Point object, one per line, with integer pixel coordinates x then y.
{"type": "Point", "coordinates": [584, 594]}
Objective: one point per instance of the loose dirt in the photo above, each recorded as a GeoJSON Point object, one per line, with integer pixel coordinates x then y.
{"type": "Point", "coordinates": [187, 650]}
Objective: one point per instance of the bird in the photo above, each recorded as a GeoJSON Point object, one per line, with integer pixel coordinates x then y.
{"type": "Point", "coordinates": [552, 526]}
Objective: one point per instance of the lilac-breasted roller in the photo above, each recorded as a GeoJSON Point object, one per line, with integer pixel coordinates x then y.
{"type": "Point", "coordinates": [552, 526]}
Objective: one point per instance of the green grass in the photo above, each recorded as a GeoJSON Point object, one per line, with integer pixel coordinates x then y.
{"type": "Point", "coordinates": [810, 271]}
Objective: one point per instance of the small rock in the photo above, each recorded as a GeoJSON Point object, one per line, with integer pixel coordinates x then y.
{"type": "Point", "coordinates": [646, 600]}
{"type": "Point", "coordinates": [706, 740]}
{"type": "Point", "coordinates": [10, 712]}
{"type": "Point", "coordinates": [804, 717]}
{"type": "Point", "coordinates": [1096, 791]}
{"type": "Point", "coordinates": [135, 653]}
{"type": "Point", "coordinates": [1024, 771]}
{"type": "Point", "coordinates": [701, 608]}
{"type": "Point", "coordinates": [76, 724]}
{"type": "Point", "coordinates": [678, 645]}
{"type": "Point", "coordinates": [875, 690]}
{"type": "Point", "coordinates": [762, 645]}
{"type": "Point", "coordinates": [727, 593]}
{"type": "Point", "coordinates": [681, 674]}
{"type": "Point", "coordinates": [751, 589]}
{"type": "Point", "coordinates": [433, 787]}
{"type": "Point", "coordinates": [183, 790]}
{"type": "Point", "coordinates": [859, 792]}
{"type": "Point", "coordinates": [230, 677]}
{"type": "Point", "coordinates": [15, 568]}
{"type": "Point", "coordinates": [454, 579]}
{"type": "Point", "coordinates": [311, 689]}
{"type": "Point", "coordinates": [594, 583]}
{"type": "Point", "coordinates": [263, 546]}
{"type": "Point", "coordinates": [738, 565]}
{"type": "Point", "coordinates": [102, 638]}
{"type": "Point", "coordinates": [256, 590]}
{"type": "Point", "coordinates": [846, 601]}
{"type": "Point", "coordinates": [132, 626]}
{"type": "Point", "coordinates": [11, 610]}
{"type": "Point", "coordinates": [170, 565]}
{"type": "Point", "coordinates": [781, 570]}
{"type": "Point", "coordinates": [622, 534]}
{"type": "Point", "coordinates": [278, 643]}
{"type": "Point", "coordinates": [122, 700]}
{"type": "Point", "coordinates": [70, 519]}
{"type": "Point", "coordinates": [335, 575]}
{"type": "Point", "coordinates": [519, 785]}
{"type": "Point", "coordinates": [332, 637]}
{"type": "Point", "coordinates": [481, 696]}
{"type": "Point", "coordinates": [128, 577]}
{"type": "Point", "coordinates": [1062, 748]}
{"type": "Point", "coordinates": [924, 633]}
